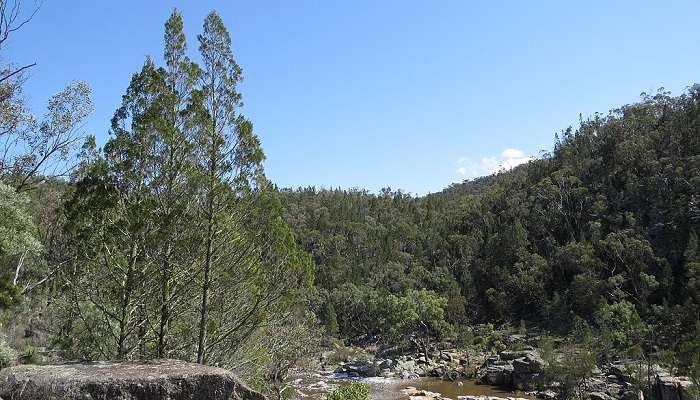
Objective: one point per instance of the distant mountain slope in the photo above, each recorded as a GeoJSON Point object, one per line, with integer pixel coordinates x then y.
{"type": "Point", "coordinates": [608, 221]}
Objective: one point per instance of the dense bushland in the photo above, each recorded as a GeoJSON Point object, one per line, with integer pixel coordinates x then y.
{"type": "Point", "coordinates": [602, 231]}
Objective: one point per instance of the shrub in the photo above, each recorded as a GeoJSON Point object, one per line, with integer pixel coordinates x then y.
{"type": "Point", "coordinates": [30, 356]}
{"type": "Point", "coordinates": [695, 376]}
{"type": "Point", "coordinates": [465, 337]}
{"type": "Point", "coordinates": [7, 354]}
{"type": "Point", "coordinates": [621, 326]}
{"type": "Point", "coordinates": [498, 346]}
{"type": "Point", "coordinates": [354, 391]}
{"type": "Point", "coordinates": [568, 368]}
{"type": "Point", "coordinates": [342, 353]}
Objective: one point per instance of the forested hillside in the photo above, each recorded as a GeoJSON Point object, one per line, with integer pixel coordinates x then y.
{"type": "Point", "coordinates": [602, 232]}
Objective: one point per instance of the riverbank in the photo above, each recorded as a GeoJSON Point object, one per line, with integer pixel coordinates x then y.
{"type": "Point", "coordinates": [315, 385]}
{"type": "Point", "coordinates": [514, 365]}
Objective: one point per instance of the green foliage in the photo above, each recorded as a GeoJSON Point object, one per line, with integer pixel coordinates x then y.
{"type": "Point", "coordinates": [30, 355]}
{"type": "Point", "coordinates": [640, 375]}
{"type": "Point", "coordinates": [688, 351]}
{"type": "Point", "coordinates": [694, 374]}
{"type": "Point", "coordinates": [417, 311]}
{"type": "Point", "coordinates": [297, 339]}
{"type": "Point", "coordinates": [9, 293]}
{"type": "Point", "coordinates": [8, 355]}
{"type": "Point", "coordinates": [609, 217]}
{"type": "Point", "coordinates": [329, 318]}
{"type": "Point", "coordinates": [692, 265]}
{"type": "Point", "coordinates": [568, 367]}
{"type": "Point", "coordinates": [522, 328]}
{"type": "Point", "coordinates": [17, 232]}
{"type": "Point", "coordinates": [465, 337]}
{"type": "Point", "coordinates": [18, 241]}
{"type": "Point", "coordinates": [365, 311]}
{"type": "Point", "coordinates": [621, 326]}
{"type": "Point", "coordinates": [498, 346]}
{"type": "Point", "coordinates": [353, 391]}
{"type": "Point", "coordinates": [176, 243]}
{"type": "Point", "coordinates": [343, 353]}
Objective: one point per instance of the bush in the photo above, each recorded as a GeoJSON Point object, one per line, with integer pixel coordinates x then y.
{"type": "Point", "coordinates": [30, 356]}
{"type": "Point", "coordinates": [329, 318]}
{"type": "Point", "coordinates": [498, 346]}
{"type": "Point", "coordinates": [695, 376]}
{"type": "Point", "coordinates": [354, 391]}
{"type": "Point", "coordinates": [568, 368]}
{"type": "Point", "coordinates": [465, 337]}
{"type": "Point", "coordinates": [621, 326]}
{"type": "Point", "coordinates": [7, 354]}
{"type": "Point", "coordinates": [342, 353]}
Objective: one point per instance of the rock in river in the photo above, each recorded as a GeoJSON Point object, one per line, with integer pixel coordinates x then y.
{"type": "Point", "coordinates": [520, 369]}
{"type": "Point", "coordinates": [360, 367]}
{"type": "Point", "coordinates": [153, 380]}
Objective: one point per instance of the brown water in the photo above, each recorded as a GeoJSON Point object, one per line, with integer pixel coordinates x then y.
{"type": "Point", "coordinates": [312, 386]}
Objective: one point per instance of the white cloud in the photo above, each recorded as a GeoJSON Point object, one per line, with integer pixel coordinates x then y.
{"type": "Point", "coordinates": [511, 163]}
{"type": "Point", "coordinates": [512, 153]}
{"type": "Point", "coordinates": [487, 165]}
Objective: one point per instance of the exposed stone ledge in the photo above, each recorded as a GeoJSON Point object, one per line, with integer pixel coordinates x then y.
{"type": "Point", "coordinates": [152, 380]}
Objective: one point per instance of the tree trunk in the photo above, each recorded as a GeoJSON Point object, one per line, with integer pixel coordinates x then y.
{"type": "Point", "coordinates": [164, 304]}
{"type": "Point", "coordinates": [205, 285]}
{"type": "Point", "coordinates": [126, 300]}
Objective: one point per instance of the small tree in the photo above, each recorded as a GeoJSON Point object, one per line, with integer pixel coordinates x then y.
{"type": "Point", "coordinates": [329, 318]}
{"type": "Point", "coordinates": [7, 354]}
{"type": "Point", "coordinates": [695, 375]}
{"type": "Point", "coordinates": [621, 327]}
{"type": "Point", "coordinates": [691, 348]}
{"type": "Point", "coordinates": [17, 241]}
{"type": "Point", "coordinates": [290, 340]}
{"type": "Point", "coordinates": [568, 368]}
{"type": "Point", "coordinates": [418, 315]}
{"type": "Point", "coordinates": [639, 371]}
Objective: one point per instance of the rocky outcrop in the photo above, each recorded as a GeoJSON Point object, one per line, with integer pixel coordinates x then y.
{"type": "Point", "coordinates": [670, 387]}
{"type": "Point", "coordinates": [665, 386]}
{"type": "Point", "coordinates": [524, 370]}
{"type": "Point", "coordinates": [517, 369]}
{"type": "Point", "coordinates": [497, 372]}
{"type": "Point", "coordinates": [520, 369]}
{"type": "Point", "coordinates": [445, 365]}
{"type": "Point", "coordinates": [362, 368]}
{"type": "Point", "coordinates": [451, 365]}
{"type": "Point", "coordinates": [154, 380]}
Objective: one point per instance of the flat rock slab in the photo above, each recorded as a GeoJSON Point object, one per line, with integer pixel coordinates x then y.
{"type": "Point", "coordinates": [148, 380]}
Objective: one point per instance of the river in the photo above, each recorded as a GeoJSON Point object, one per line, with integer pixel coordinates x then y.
{"type": "Point", "coordinates": [312, 386]}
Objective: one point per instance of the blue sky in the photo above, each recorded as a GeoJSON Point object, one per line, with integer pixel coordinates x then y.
{"type": "Point", "coordinates": [408, 94]}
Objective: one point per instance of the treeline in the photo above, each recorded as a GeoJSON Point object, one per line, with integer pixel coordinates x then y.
{"type": "Point", "coordinates": [167, 242]}
{"type": "Point", "coordinates": [602, 232]}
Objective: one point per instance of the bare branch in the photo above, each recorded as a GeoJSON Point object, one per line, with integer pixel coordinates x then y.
{"type": "Point", "coordinates": [10, 75]}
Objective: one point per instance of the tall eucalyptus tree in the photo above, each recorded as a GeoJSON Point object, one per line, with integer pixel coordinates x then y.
{"type": "Point", "coordinates": [230, 159]}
